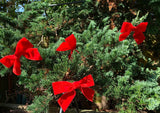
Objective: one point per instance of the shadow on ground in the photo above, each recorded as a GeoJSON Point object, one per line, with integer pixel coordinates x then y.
{"type": "Point", "coordinates": [16, 108]}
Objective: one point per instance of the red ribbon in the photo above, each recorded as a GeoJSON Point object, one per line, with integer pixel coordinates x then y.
{"type": "Point", "coordinates": [138, 35]}
{"type": "Point", "coordinates": [25, 48]}
{"type": "Point", "coordinates": [69, 44]}
{"type": "Point", "coordinates": [68, 90]}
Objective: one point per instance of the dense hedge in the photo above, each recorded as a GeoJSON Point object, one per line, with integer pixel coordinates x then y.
{"type": "Point", "coordinates": [125, 73]}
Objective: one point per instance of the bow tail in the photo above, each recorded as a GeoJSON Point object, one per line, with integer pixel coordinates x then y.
{"type": "Point", "coordinates": [70, 54]}
{"type": "Point", "coordinates": [17, 67]}
{"type": "Point", "coordinates": [88, 93]}
{"type": "Point", "coordinates": [123, 36]}
{"type": "Point", "coordinates": [76, 50]}
{"type": "Point", "coordinates": [65, 100]}
{"type": "Point", "coordinates": [138, 37]}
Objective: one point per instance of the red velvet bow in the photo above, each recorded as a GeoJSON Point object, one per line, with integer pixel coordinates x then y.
{"type": "Point", "coordinates": [68, 90]}
{"type": "Point", "coordinates": [69, 44]}
{"type": "Point", "coordinates": [138, 31]}
{"type": "Point", "coordinates": [25, 48]}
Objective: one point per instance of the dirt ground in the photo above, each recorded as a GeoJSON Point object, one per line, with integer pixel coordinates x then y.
{"type": "Point", "coordinates": [17, 108]}
{"type": "Point", "coordinates": [52, 110]}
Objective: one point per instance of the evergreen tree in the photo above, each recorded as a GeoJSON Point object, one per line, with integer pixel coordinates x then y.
{"type": "Point", "coordinates": [120, 70]}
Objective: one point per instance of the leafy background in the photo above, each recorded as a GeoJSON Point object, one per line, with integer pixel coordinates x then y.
{"type": "Point", "coordinates": [125, 73]}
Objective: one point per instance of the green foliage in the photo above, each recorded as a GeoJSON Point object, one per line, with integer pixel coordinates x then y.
{"type": "Point", "coordinates": [120, 70]}
{"type": "Point", "coordinates": [40, 104]}
{"type": "Point", "coordinates": [155, 5]}
{"type": "Point", "coordinates": [145, 94]}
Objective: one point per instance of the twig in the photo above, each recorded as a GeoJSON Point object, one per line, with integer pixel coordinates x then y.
{"type": "Point", "coordinates": [60, 111]}
{"type": "Point", "coordinates": [75, 2]}
{"type": "Point", "coordinates": [40, 41]}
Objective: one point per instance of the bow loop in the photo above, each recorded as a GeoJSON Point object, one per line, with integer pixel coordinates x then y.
{"type": "Point", "coordinates": [126, 27]}
{"type": "Point", "coordinates": [32, 54]}
{"type": "Point", "coordinates": [87, 81]}
{"type": "Point", "coordinates": [8, 60]}
{"type": "Point", "coordinates": [142, 27]}
{"type": "Point", "coordinates": [71, 40]}
{"type": "Point", "coordinates": [22, 46]}
{"type": "Point", "coordinates": [62, 87]}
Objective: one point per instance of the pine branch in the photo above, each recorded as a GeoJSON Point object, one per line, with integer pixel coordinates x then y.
{"type": "Point", "coordinates": [75, 2]}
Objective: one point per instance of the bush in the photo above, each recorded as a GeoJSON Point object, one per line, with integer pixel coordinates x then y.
{"type": "Point", "coordinates": [121, 70]}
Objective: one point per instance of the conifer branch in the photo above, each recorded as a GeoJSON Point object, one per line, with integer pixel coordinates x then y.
{"type": "Point", "coordinates": [75, 2]}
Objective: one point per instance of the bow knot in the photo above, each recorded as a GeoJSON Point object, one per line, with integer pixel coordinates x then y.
{"type": "Point", "coordinates": [68, 90]}
{"type": "Point", "coordinates": [133, 28]}
{"type": "Point", "coordinates": [76, 85]}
